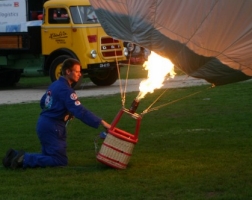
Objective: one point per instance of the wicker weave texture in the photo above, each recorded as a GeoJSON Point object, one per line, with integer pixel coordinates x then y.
{"type": "Point", "coordinates": [116, 149]}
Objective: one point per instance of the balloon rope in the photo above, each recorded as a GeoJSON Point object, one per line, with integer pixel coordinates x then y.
{"type": "Point", "coordinates": [157, 107]}
{"type": "Point", "coordinates": [123, 92]}
{"type": "Point", "coordinates": [160, 97]}
{"type": "Point", "coordinates": [126, 83]}
{"type": "Point", "coordinates": [145, 111]}
{"type": "Point", "coordinates": [119, 77]}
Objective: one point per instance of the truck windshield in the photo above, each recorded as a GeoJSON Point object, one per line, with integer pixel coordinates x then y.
{"type": "Point", "coordinates": [83, 15]}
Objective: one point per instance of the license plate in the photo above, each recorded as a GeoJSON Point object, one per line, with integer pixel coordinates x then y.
{"type": "Point", "coordinates": [104, 65]}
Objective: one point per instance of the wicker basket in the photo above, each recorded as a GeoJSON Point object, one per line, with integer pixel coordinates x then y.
{"type": "Point", "coordinates": [118, 145]}
{"type": "Point", "coordinates": [115, 152]}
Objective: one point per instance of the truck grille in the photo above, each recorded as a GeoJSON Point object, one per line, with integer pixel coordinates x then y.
{"type": "Point", "coordinates": [110, 47]}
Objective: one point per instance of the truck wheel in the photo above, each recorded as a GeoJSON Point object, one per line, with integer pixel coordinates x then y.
{"type": "Point", "coordinates": [9, 78]}
{"type": "Point", "coordinates": [17, 77]}
{"type": "Point", "coordinates": [104, 77]}
{"type": "Point", "coordinates": [55, 70]}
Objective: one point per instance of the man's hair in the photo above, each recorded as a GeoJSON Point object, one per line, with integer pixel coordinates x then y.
{"type": "Point", "coordinates": [68, 64]}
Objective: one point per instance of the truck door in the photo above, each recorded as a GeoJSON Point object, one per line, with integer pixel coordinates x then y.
{"type": "Point", "coordinates": [56, 30]}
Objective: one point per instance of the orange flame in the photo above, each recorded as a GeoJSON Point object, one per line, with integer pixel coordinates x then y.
{"type": "Point", "coordinates": [158, 69]}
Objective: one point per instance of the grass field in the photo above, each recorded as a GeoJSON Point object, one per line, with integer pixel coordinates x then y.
{"type": "Point", "coordinates": [198, 148]}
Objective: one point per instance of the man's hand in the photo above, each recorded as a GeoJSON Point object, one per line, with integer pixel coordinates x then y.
{"type": "Point", "coordinates": [105, 124]}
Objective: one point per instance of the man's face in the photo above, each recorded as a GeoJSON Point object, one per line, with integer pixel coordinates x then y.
{"type": "Point", "coordinates": [74, 74]}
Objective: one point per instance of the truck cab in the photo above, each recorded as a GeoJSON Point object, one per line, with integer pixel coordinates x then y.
{"type": "Point", "coordinates": [72, 29]}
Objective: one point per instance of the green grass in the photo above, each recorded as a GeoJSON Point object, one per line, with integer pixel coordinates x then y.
{"type": "Point", "coordinates": [198, 148]}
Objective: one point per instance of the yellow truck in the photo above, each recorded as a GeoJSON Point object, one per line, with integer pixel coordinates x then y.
{"type": "Point", "coordinates": [65, 28]}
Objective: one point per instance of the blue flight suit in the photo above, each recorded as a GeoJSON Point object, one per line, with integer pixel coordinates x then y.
{"type": "Point", "coordinates": [58, 104]}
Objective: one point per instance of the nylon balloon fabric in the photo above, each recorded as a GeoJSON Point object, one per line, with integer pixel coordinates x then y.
{"type": "Point", "coordinates": [208, 39]}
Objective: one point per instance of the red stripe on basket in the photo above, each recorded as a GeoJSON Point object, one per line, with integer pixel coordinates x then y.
{"type": "Point", "coordinates": [116, 161]}
{"type": "Point", "coordinates": [118, 150]}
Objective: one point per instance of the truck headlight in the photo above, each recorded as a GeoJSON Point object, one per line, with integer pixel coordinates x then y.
{"type": "Point", "coordinates": [125, 51]}
{"type": "Point", "coordinates": [93, 54]}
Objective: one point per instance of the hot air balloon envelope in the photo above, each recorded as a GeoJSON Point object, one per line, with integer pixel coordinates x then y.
{"type": "Point", "coordinates": [208, 39]}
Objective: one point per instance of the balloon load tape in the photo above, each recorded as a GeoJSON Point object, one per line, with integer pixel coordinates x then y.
{"type": "Point", "coordinates": [117, 147]}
